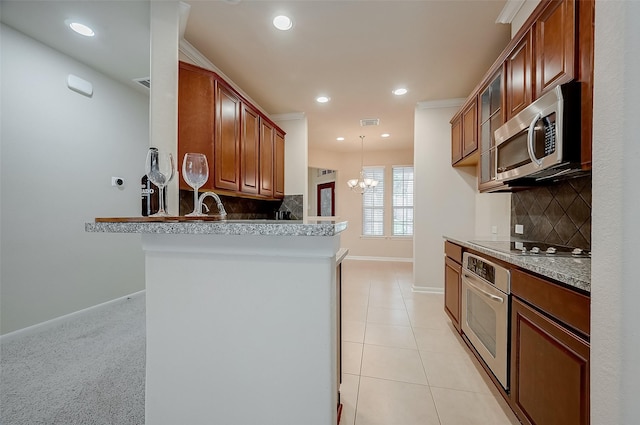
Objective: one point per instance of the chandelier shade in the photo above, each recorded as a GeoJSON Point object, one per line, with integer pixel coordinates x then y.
{"type": "Point", "coordinates": [362, 184]}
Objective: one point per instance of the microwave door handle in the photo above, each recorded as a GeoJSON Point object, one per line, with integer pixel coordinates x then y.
{"type": "Point", "coordinates": [532, 128]}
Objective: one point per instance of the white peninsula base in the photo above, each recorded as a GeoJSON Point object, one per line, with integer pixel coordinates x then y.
{"type": "Point", "coordinates": [241, 329]}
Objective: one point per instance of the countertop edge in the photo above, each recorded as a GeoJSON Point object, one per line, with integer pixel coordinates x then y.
{"type": "Point", "coordinates": [570, 271]}
{"type": "Point", "coordinates": [233, 228]}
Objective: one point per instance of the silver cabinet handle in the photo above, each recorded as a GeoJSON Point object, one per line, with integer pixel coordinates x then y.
{"type": "Point", "coordinates": [532, 128]}
{"type": "Point", "coordinates": [482, 291]}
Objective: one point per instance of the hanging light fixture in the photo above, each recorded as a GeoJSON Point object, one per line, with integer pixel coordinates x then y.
{"type": "Point", "coordinates": [361, 184]}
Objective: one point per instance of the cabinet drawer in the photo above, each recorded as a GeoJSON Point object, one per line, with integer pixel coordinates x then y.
{"type": "Point", "coordinates": [566, 305]}
{"type": "Point", "coordinates": [453, 251]}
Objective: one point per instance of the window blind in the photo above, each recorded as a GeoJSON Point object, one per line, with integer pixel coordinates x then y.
{"type": "Point", "coordinates": [373, 204]}
{"type": "Point", "coordinates": [402, 201]}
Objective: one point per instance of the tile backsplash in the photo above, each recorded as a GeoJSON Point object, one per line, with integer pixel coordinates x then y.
{"type": "Point", "coordinates": [246, 209]}
{"type": "Point", "coordinates": [559, 214]}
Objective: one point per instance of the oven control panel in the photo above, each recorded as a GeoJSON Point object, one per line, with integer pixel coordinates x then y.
{"type": "Point", "coordinates": [482, 269]}
{"type": "Point", "coordinates": [492, 273]}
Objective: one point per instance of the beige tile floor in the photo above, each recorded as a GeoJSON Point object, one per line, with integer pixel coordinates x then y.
{"type": "Point", "coordinates": [402, 362]}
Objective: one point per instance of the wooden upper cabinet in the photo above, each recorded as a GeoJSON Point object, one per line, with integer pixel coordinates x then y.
{"type": "Point", "coordinates": [278, 167]}
{"type": "Point", "coordinates": [245, 150]}
{"type": "Point", "coordinates": [195, 117]}
{"type": "Point", "coordinates": [227, 140]}
{"type": "Point", "coordinates": [518, 76]}
{"type": "Point", "coordinates": [464, 135]}
{"type": "Point", "coordinates": [555, 45]}
{"type": "Point", "coordinates": [266, 158]}
{"type": "Point", "coordinates": [470, 129]}
{"type": "Point", "coordinates": [456, 139]}
{"type": "Point", "coordinates": [491, 117]}
{"type": "Point", "coordinates": [250, 150]}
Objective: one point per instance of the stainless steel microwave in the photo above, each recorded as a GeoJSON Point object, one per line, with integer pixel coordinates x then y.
{"type": "Point", "coordinates": [543, 140]}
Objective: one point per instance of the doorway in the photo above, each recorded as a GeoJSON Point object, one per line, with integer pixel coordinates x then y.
{"type": "Point", "coordinates": [326, 199]}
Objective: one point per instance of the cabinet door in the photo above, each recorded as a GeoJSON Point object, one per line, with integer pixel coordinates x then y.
{"type": "Point", "coordinates": [555, 33]}
{"type": "Point", "coordinates": [470, 129]}
{"type": "Point", "coordinates": [456, 139]}
{"type": "Point", "coordinates": [278, 167]}
{"type": "Point", "coordinates": [266, 158]}
{"type": "Point", "coordinates": [452, 290]}
{"type": "Point", "coordinates": [549, 370]}
{"type": "Point", "coordinates": [250, 150]}
{"type": "Point", "coordinates": [195, 118]}
{"type": "Point", "coordinates": [491, 116]}
{"type": "Point", "coordinates": [227, 140]}
{"type": "Point", "coordinates": [518, 67]}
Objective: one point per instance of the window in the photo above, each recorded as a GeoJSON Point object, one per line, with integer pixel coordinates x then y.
{"type": "Point", "coordinates": [373, 204]}
{"type": "Point", "coordinates": [402, 201]}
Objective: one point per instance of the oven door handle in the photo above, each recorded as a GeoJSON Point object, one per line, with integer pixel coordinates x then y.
{"type": "Point", "coordinates": [482, 291]}
{"type": "Point", "coordinates": [532, 128]}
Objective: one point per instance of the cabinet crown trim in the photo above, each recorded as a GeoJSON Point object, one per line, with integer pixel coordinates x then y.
{"type": "Point", "coordinates": [445, 103]}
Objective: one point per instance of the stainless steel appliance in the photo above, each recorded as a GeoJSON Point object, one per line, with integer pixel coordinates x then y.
{"type": "Point", "coordinates": [534, 248]}
{"type": "Point", "coordinates": [485, 312]}
{"type": "Point", "coordinates": [543, 140]}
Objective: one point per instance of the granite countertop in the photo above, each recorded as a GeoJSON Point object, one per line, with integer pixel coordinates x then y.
{"type": "Point", "coordinates": [575, 272]}
{"type": "Point", "coordinates": [224, 227]}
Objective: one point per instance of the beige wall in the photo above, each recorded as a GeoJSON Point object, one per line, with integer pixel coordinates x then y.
{"type": "Point", "coordinates": [349, 204]}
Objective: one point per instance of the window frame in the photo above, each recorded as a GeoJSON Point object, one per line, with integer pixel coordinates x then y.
{"type": "Point", "coordinates": [379, 190]}
{"type": "Point", "coordinates": [395, 207]}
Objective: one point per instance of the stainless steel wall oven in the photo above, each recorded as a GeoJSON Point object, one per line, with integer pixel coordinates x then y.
{"type": "Point", "coordinates": [485, 312]}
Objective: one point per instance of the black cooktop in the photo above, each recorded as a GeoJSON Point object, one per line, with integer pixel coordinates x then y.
{"type": "Point", "coordinates": [533, 248]}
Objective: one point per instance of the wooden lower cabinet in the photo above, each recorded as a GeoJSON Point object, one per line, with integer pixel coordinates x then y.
{"type": "Point", "coordinates": [549, 370]}
{"type": "Point", "coordinates": [452, 288]}
{"type": "Point", "coordinates": [453, 282]}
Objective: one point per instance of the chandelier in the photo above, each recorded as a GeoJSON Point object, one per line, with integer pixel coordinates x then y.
{"type": "Point", "coordinates": [361, 184]}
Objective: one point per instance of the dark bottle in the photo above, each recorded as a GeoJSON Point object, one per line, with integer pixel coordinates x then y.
{"type": "Point", "coordinates": [149, 194]}
{"type": "Point", "coordinates": [150, 197]}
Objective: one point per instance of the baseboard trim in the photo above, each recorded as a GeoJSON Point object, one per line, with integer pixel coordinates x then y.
{"type": "Point", "coordinates": [389, 259]}
{"type": "Point", "coordinates": [427, 289]}
{"type": "Point", "coordinates": [38, 327]}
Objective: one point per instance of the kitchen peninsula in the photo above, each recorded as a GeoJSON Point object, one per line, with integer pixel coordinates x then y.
{"type": "Point", "coordinates": [242, 320]}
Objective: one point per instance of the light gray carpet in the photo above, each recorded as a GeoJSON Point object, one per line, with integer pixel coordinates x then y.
{"type": "Point", "coordinates": [90, 370]}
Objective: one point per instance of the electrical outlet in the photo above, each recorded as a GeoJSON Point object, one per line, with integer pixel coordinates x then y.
{"type": "Point", "coordinates": [519, 229]}
{"type": "Point", "coordinates": [494, 230]}
{"type": "Point", "coordinates": [117, 182]}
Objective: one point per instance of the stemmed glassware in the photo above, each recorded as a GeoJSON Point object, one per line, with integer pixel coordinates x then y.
{"type": "Point", "coordinates": [160, 169]}
{"type": "Point", "coordinates": [195, 172]}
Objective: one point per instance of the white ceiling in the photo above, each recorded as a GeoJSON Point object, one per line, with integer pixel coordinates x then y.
{"type": "Point", "coordinates": [120, 47]}
{"type": "Point", "coordinates": [355, 52]}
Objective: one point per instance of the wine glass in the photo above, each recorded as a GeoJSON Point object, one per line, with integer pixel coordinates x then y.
{"type": "Point", "coordinates": [195, 172]}
{"type": "Point", "coordinates": [160, 169]}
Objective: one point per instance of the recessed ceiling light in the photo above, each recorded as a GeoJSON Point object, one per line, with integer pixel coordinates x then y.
{"type": "Point", "coordinates": [283, 23]}
{"type": "Point", "coordinates": [400, 91]}
{"type": "Point", "coordinates": [385, 135]}
{"type": "Point", "coordinates": [340, 139]}
{"type": "Point", "coordinates": [81, 29]}
{"type": "Point", "coordinates": [322, 99]}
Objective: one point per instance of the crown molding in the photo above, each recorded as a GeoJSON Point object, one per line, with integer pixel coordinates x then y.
{"type": "Point", "coordinates": [439, 104]}
{"type": "Point", "coordinates": [293, 116]}
{"type": "Point", "coordinates": [198, 59]}
{"type": "Point", "coordinates": [509, 11]}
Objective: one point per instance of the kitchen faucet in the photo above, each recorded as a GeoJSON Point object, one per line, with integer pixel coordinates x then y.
{"type": "Point", "coordinates": [221, 211]}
